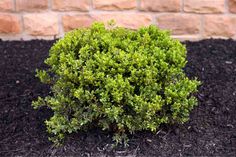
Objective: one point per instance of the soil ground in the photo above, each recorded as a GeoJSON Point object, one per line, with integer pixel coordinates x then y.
{"type": "Point", "coordinates": [211, 130]}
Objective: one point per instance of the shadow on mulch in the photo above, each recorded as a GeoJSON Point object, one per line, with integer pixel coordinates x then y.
{"type": "Point", "coordinates": [211, 130]}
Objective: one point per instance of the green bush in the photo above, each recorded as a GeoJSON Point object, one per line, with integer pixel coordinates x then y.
{"type": "Point", "coordinates": [119, 79]}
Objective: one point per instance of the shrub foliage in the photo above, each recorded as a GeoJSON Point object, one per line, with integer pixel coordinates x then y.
{"type": "Point", "coordinates": [122, 80]}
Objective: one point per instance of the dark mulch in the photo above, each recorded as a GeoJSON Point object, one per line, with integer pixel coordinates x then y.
{"type": "Point", "coordinates": [211, 130]}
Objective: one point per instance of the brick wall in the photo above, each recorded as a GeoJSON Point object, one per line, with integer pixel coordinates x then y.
{"type": "Point", "coordinates": [48, 19]}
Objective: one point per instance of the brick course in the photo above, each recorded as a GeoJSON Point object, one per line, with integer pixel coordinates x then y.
{"type": "Point", "coordinates": [186, 19]}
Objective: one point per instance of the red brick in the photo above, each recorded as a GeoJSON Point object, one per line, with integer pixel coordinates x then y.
{"type": "Point", "coordinates": [9, 24]}
{"type": "Point", "coordinates": [219, 26]}
{"type": "Point", "coordinates": [67, 5]}
{"type": "Point", "coordinates": [6, 5]}
{"type": "Point", "coordinates": [71, 22]}
{"type": "Point", "coordinates": [128, 20]}
{"type": "Point", "coordinates": [204, 6]}
{"type": "Point", "coordinates": [232, 6]}
{"type": "Point", "coordinates": [43, 24]}
{"type": "Point", "coordinates": [160, 5]}
{"type": "Point", "coordinates": [114, 4]}
{"type": "Point", "coordinates": [31, 5]}
{"type": "Point", "coordinates": [180, 24]}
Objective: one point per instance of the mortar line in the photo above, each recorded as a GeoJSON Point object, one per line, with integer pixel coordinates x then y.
{"type": "Point", "coordinates": [61, 32]}
{"type": "Point", "coordinates": [91, 6]}
{"type": "Point", "coordinates": [226, 6]}
{"type": "Point", "coordinates": [50, 5]}
{"type": "Point", "coordinates": [138, 5]}
{"type": "Point", "coordinates": [182, 6]}
{"type": "Point", "coordinates": [14, 3]}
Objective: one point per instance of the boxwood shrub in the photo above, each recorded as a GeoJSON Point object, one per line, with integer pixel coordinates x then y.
{"type": "Point", "coordinates": [119, 79]}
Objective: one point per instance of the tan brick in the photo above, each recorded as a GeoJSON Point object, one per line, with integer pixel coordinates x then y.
{"type": "Point", "coordinates": [9, 24]}
{"type": "Point", "coordinates": [31, 5]}
{"type": "Point", "coordinates": [71, 22]}
{"type": "Point", "coordinates": [42, 24]}
{"type": "Point", "coordinates": [180, 24]}
{"type": "Point", "coordinates": [232, 6]}
{"type": "Point", "coordinates": [160, 5]}
{"type": "Point", "coordinates": [6, 5]}
{"type": "Point", "coordinates": [204, 6]}
{"type": "Point", "coordinates": [114, 4]}
{"type": "Point", "coordinates": [67, 5]}
{"type": "Point", "coordinates": [219, 25]}
{"type": "Point", "coordinates": [128, 20]}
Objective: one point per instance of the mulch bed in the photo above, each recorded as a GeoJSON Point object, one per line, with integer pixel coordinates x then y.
{"type": "Point", "coordinates": [211, 130]}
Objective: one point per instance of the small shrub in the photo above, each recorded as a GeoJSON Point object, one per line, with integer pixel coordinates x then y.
{"type": "Point", "coordinates": [122, 80]}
